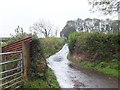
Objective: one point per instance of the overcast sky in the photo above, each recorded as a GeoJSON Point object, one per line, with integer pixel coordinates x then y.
{"type": "Point", "coordinates": [26, 12]}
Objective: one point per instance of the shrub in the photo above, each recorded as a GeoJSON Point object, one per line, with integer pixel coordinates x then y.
{"type": "Point", "coordinates": [72, 40]}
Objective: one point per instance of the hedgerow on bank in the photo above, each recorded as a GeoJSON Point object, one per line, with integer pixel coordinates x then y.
{"type": "Point", "coordinates": [40, 75]}
{"type": "Point", "coordinates": [97, 51]}
{"type": "Point", "coordinates": [95, 45]}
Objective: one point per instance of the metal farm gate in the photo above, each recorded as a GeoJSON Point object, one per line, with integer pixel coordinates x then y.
{"type": "Point", "coordinates": [15, 63]}
{"type": "Point", "coordinates": [12, 70]}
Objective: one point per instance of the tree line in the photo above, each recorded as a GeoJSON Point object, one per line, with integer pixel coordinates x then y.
{"type": "Point", "coordinates": [90, 25]}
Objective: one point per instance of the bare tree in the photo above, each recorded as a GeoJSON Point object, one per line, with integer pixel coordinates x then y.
{"type": "Point", "coordinates": [44, 27]}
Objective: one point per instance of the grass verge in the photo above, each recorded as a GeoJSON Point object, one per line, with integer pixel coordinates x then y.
{"type": "Point", "coordinates": [106, 67]}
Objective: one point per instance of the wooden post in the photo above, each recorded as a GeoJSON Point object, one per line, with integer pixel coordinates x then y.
{"type": "Point", "coordinates": [26, 59]}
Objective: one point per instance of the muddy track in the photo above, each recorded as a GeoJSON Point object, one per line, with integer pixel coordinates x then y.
{"type": "Point", "coordinates": [69, 77]}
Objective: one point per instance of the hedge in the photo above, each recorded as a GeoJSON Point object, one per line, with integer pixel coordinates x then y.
{"type": "Point", "coordinates": [95, 45]}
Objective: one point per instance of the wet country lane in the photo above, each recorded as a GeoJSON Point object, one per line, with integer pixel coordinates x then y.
{"type": "Point", "coordinates": [68, 77]}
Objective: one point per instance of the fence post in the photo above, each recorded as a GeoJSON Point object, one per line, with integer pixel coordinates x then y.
{"type": "Point", "coordinates": [26, 59]}
{"type": "Point", "coordinates": [0, 61]}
